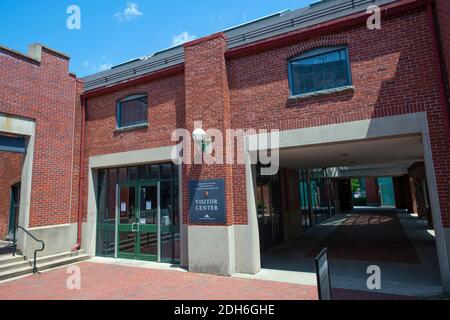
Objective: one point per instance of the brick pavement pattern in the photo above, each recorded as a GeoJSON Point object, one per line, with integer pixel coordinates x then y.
{"type": "Point", "coordinates": [360, 238]}
{"type": "Point", "coordinates": [112, 282]}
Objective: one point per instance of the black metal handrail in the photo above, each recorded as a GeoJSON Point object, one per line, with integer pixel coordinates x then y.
{"type": "Point", "coordinates": [35, 251]}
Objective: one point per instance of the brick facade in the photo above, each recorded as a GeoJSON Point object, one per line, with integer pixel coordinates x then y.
{"type": "Point", "coordinates": [443, 26]}
{"type": "Point", "coordinates": [10, 174]}
{"type": "Point", "coordinates": [392, 72]}
{"type": "Point", "coordinates": [165, 114]}
{"type": "Point", "coordinates": [207, 100]}
{"type": "Point", "coordinates": [45, 92]}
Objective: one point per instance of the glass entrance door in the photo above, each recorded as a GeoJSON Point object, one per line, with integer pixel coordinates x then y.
{"type": "Point", "coordinates": [138, 228]}
{"type": "Point", "coordinates": [147, 245]}
{"type": "Point", "coordinates": [127, 222]}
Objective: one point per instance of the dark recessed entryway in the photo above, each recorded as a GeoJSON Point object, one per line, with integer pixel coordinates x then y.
{"type": "Point", "coordinates": [398, 242]}
{"type": "Point", "coordinates": [367, 202]}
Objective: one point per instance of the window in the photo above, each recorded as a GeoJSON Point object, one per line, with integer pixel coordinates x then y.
{"type": "Point", "coordinates": [320, 69]}
{"type": "Point", "coordinates": [132, 111]}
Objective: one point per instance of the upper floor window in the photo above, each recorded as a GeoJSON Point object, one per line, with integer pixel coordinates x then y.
{"type": "Point", "coordinates": [319, 69]}
{"type": "Point", "coordinates": [132, 111]}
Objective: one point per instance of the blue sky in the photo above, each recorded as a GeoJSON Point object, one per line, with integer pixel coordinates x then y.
{"type": "Point", "coordinates": [114, 31]}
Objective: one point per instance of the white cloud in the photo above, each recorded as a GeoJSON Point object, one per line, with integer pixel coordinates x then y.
{"type": "Point", "coordinates": [182, 38]}
{"type": "Point", "coordinates": [105, 66]}
{"type": "Point", "coordinates": [92, 67]}
{"type": "Point", "coordinates": [131, 12]}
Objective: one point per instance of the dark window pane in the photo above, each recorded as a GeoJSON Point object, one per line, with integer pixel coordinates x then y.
{"type": "Point", "coordinates": [101, 205]}
{"type": "Point", "coordinates": [149, 243]}
{"type": "Point", "coordinates": [154, 171]}
{"type": "Point", "coordinates": [123, 175]}
{"type": "Point", "coordinates": [175, 171]}
{"type": "Point", "coordinates": [102, 177]}
{"type": "Point", "coordinates": [112, 182]}
{"type": "Point", "coordinates": [324, 71]}
{"type": "Point", "coordinates": [176, 214]}
{"type": "Point", "coordinates": [132, 174]}
{"type": "Point", "coordinates": [144, 172]}
{"type": "Point", "coordinates": [166, 171]}
{"type": "Point", "coordinates": [133, 112]}
{"type": "Point", "coordinates": [112, 176]}
{"type": "Point", "coordinates": [170, 236]}
{"type": "Point", "coordinates": [105, 243]}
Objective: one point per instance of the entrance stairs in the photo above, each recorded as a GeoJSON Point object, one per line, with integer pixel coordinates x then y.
{"type": "Point", "coordinates": [17, 266]}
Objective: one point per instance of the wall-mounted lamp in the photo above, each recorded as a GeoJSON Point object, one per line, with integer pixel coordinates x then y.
{"type": "Point", "coordinates": [202, 138]}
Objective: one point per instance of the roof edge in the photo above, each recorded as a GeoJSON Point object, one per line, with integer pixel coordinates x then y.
{"type": "Point", "coordinates": [179, 68]}
{"type": "Point", "coordinates": [389, 9]}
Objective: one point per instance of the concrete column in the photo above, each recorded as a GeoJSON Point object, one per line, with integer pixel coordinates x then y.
{"type": "Point", "coordinates": [442, 233]}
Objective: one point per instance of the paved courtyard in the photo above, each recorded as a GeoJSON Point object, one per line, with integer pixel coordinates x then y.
{"type": "Point", "coordinates": [101, 281]}
{"type": "Point", "coordinates": [399, 243]}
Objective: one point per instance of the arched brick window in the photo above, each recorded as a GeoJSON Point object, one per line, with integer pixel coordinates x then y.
{"type": "Point", "coordinates": [319, 69]}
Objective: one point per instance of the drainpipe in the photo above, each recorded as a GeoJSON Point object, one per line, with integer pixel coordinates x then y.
{"type": "Point", "coordinates": [81, 176]}
{"type": "Point", "coordinates": [437, 64]}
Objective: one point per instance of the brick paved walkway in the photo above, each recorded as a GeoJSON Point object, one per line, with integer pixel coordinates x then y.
{"type": "Point", "coordinates": [109, 281]}
{"type": "Point", "coordinates": [365, 236]}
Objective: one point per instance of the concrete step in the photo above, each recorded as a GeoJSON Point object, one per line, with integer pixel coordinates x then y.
{"type": "Point", "coordinates": [43, 263]}
{"type": "Point", "coordinates": [55, 257]}
{"type": "Point", "coordinates": [15, 265]}
{"type": "Point", "coordinates": [8, 259]}
{"type": "Point", "coordinates": [62, 262]}
{"type": "Point", "coordinates": [15, 273]}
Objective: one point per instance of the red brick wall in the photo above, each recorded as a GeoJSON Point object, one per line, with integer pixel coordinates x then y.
{"type": "Point", "coordinates": [383, 63]}
{"type": "Point", "coordinates": [207, 100]}
{"type": "Point", "coordinates": [392, 72]}
{"type": "Point", "coordinates": [443, 29]}
{"type": "Point", "coordinates": [10, 173]}
{"type": "Point", "coordinates": [165, 114]}
{"type": "Point", "coordinates": [46, 93]}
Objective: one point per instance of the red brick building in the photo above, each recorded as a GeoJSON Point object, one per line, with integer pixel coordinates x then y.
{"type": "Point", "coordinates": [40, 103]}
{"type": "Point", "coordinates": [342, 96]}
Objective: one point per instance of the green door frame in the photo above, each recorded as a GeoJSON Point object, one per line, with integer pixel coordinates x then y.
{"type": "Point", "coordinates": [13, 204]}
{"type": "Point", "coordinates": [136, 227]}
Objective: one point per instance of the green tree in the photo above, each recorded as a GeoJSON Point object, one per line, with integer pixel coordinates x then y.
{"type": "Point", "coordinates": [355, 185]}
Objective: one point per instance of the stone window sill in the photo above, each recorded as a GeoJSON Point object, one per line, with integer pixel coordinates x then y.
{"type": "Point", "coordinates": [130, 128]}
{"type": "Point", "coordinates": [321, 93]}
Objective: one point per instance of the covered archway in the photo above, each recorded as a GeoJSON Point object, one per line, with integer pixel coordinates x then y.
{"type": "Point", "coordinates": [387, 147]}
